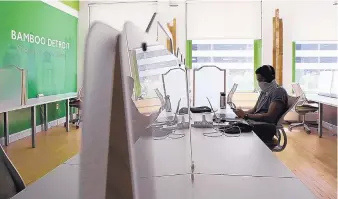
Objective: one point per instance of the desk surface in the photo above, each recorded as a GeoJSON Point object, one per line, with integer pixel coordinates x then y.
{"type": "Point", "coordinates": [62, 182]}
{"type": "Point", "coordinates": [232, 167]}
{"type": "Point", "coordinates": [323, 99]}
{"type": "Point", "coordinates": [35, 102]}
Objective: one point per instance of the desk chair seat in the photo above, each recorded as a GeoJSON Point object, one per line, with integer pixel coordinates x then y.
{"type": "Point", "coordinates": [11, 182]}
{"type": "Point", "coordinates": [302, 110]}
{"type": "Point", "coordinates": [302, 107]}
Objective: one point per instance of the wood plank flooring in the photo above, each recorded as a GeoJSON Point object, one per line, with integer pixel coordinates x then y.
{"type": "Point", "coordinates": [313, 160]}
{"type": "Point", "coordinates": [52, 149]}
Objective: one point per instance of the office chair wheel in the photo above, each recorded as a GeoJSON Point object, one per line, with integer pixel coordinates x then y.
{"type": "Point", "coordinates": [77, 127]}
{"type": "Point", "coordinates": [308, 131]}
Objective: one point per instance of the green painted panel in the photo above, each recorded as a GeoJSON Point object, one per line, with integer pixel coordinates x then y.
{"type": "Point", "coordinates": [188, 57]}
{"type": "Point", "coordinates": [43, 40]}
{"type": "Point", "coordinates": [73, 4]}
{"type": "Point", "coordinates": [257, 58]}
{"type": "Point", "coordinates": [51, 69]}
{"type": "Point", "coordinates": [293, 61]}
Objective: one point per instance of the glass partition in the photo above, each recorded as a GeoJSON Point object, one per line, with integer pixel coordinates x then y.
{"type": "Point", "coordinates": [208, 81]}
{"type": "Point", "coordinates": [159, 136]}
{"type": "Point", "coordinates": [11, 85]}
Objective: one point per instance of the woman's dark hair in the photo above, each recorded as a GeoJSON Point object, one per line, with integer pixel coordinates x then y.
{"type": "Point", "coordinates": [266, 71]}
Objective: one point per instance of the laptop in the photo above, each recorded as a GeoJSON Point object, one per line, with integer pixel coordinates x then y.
{"type": "Point", "coordinates": [169, 119]}
{"type": "Point", "coordinates": [222, 117]}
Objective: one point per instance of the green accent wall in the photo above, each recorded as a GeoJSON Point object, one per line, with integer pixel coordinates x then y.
{"type": "Point", "coordinates": [257, 58]}
{"type": "Point", "coordinates": [188, 54]}
{"type": "Point", "coordinates": [73, 4]}
{"type": "Point", "coordinates": [293, 61]}
{"type": "Point", "coordinates": [51, 67]}
{"type": "Point", "coordinates": [42, 40]}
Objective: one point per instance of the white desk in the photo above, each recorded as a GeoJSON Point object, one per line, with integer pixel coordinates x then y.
{"type": "Point", "coordinates": [32, 103]}
{"type": "Point", "coordinates": [225, 167]}
{"type": "Point", "coordinates": [322, 100]}
{"type": "Point", "coordinates": [75, 160]}
{"type": "Point", "coordinates": [62, 182]}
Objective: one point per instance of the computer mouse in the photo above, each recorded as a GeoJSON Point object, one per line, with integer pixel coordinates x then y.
{"type": "Point", "coordinates": [183, 111]}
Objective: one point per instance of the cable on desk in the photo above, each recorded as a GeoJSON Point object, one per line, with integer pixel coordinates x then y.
{"type": "Point", "coordinates": [180, 135]}
{"type": "Point", "coordinates": [221, 132]}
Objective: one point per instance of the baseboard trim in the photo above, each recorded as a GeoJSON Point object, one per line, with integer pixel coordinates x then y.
{"type": "Point", "coordinates": [28, 132]}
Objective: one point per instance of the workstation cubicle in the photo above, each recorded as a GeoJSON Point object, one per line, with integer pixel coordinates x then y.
{"type": "Point", "coordinates": [158, 146]}
{"type": "Point", "coordinates": [165, 161]}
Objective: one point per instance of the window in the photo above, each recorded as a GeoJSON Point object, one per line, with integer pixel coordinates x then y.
{"type": "Point", "coordinates": [234, 55]}
{"type": "Point", "coordinates": [312, 57]}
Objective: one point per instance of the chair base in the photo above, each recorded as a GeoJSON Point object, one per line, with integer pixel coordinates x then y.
{"type": "Point", "coordinates": [303, 124]}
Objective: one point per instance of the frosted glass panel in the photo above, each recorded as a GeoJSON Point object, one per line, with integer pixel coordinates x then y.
{"type": "Point", "coordinates": [175, 86]}
{"type": "Point", "coordinates": [324, 82]}
{"type": "Point", "coordinates": [334, 89]}
{"type": "Point", "coordinates": [10, 85]}
{"type": "Point", "coordinates": [209, 82]}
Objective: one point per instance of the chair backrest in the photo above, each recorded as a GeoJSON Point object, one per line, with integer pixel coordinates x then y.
{"type": "Point", "coordinates": [280, 131]}
{"type": "Point", "coordinates": [291, 103]}
{"type": "Point", "coordinates": [80, 94]}
{"type": "Point", "coordinates": [13, 176]}
{"type": "Point", "coordinates": [298, 91]}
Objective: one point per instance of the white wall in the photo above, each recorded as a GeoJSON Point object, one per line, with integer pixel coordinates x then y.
{"type": "Point", "coordinates": [83, 26]}
{"type": "Point", "coordinates": [240, 20]}
{"type": "Point", "coordinates": [302, 20]}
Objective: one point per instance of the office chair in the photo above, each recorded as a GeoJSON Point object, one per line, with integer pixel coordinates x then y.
{"type": "Point", "coordinates": [302, 107]}
{"type": "Point", "coordinates": [76, 103]}
{"type": "Point", "coordinates": [280, 133]}
{"type": "Point", "coordinates": [11, 182]}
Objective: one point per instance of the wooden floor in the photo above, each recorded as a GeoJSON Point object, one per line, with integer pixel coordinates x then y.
{"type": "Point", "coordinates": [313, 160]}
{"type": "Point", "coordinates": [52, 149]}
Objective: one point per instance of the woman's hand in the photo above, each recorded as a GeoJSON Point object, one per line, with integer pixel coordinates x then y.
{"type": "Point", "coordinates": [240, 113]}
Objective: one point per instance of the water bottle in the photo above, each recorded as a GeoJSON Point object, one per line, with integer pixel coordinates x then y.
{"type": "Point", "coordinates": [167, 104]}
{"type": "Point", "coordinates": [222, 103]}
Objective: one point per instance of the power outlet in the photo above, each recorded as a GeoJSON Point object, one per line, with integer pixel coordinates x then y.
{"type": "Point", "coordinates": [57, 106]}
